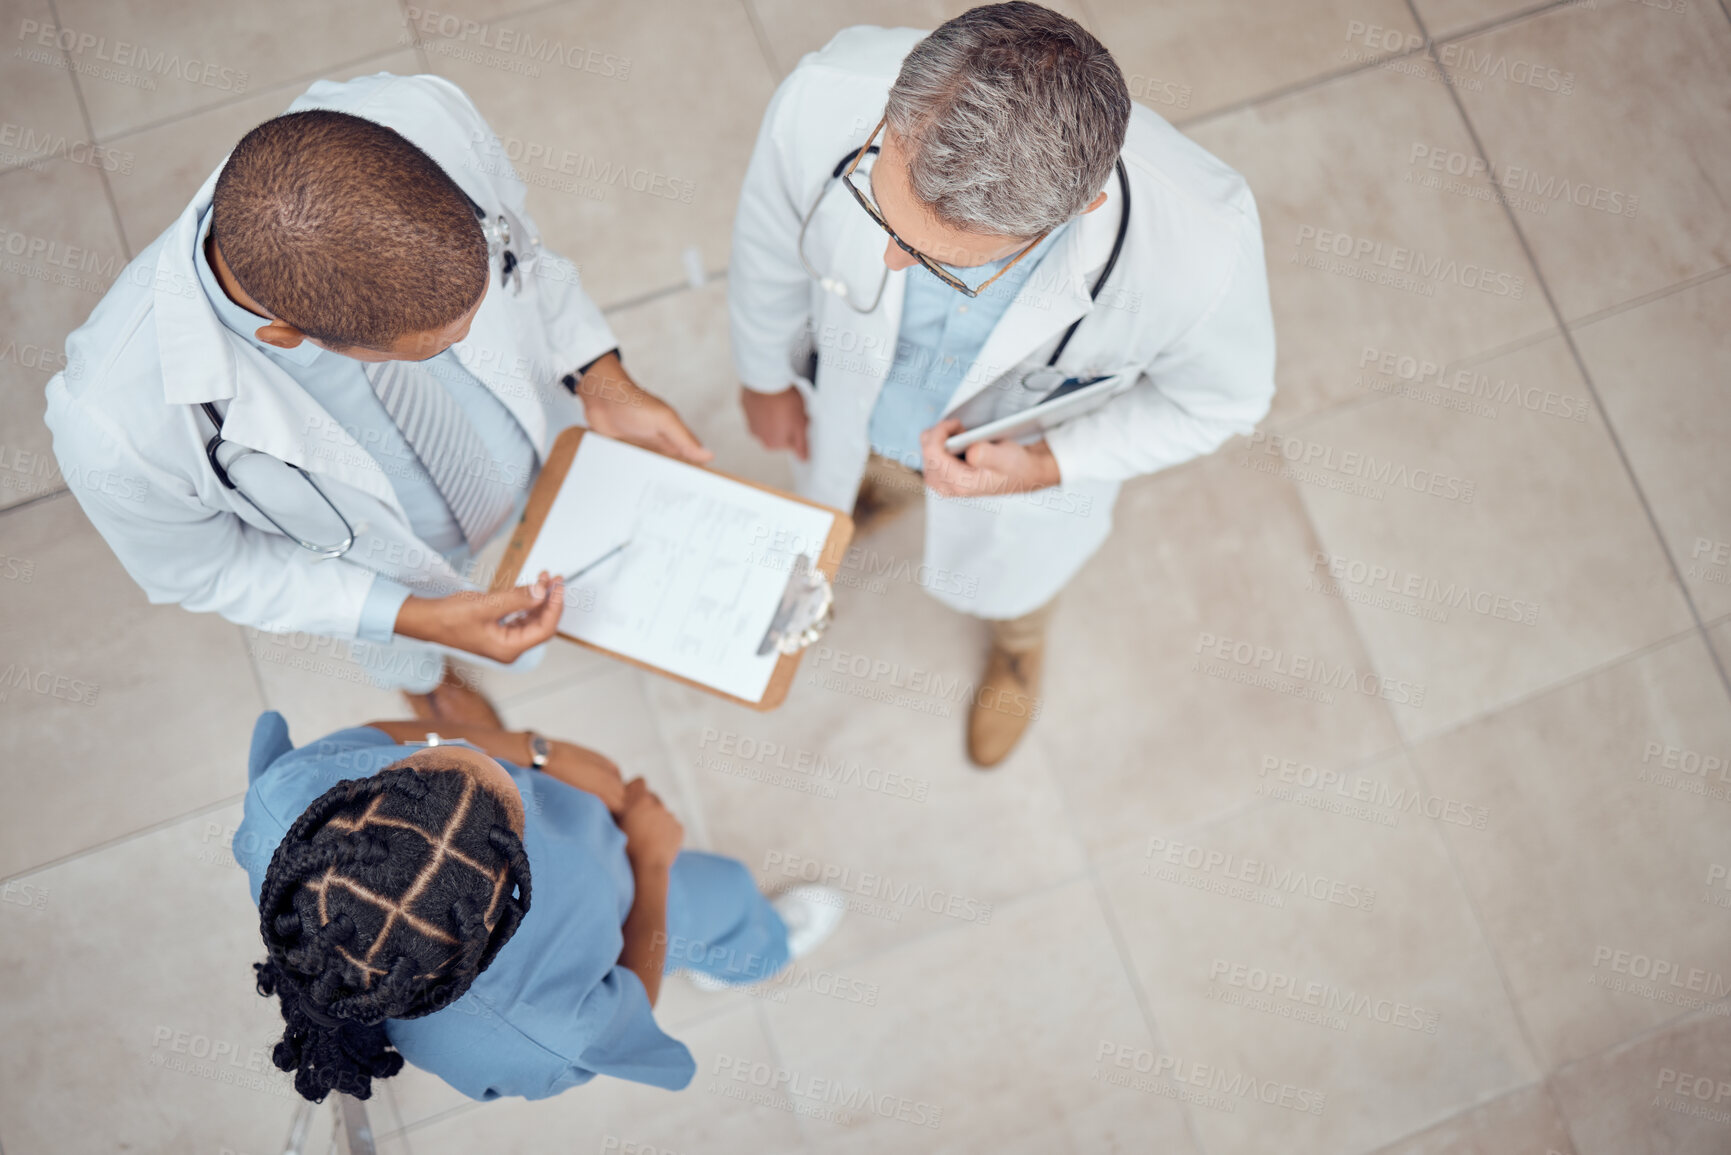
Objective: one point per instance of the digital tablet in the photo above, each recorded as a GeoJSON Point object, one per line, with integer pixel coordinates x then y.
{"type": "Point", "coordinates": [1070, 397]}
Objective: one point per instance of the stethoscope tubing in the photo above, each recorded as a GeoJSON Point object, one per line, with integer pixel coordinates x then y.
{"type": "Point", "coordinates": [840, 288]}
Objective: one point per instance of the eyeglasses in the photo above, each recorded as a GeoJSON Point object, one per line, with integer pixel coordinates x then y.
{"type": "Point", "coordinates": [926, 263]}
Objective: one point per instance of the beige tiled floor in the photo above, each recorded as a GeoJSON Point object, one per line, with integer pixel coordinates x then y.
{"type": "Point", "coordinates": [1533, 819]}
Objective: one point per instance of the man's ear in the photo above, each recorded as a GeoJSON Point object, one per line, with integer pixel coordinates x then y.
{"type": "Point", "coordinates": [281, 334]}
{"type": "Point", "coordinates": [1096, 202]}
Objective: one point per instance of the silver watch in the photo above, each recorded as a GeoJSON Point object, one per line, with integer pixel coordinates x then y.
{"type": "Point", "coordinates": [540, 751]}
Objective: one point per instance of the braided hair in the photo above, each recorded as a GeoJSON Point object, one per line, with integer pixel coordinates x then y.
{"type": "Point", "coordinates": [385, 900]}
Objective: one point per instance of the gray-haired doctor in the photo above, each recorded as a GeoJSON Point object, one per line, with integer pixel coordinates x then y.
{"type": "Point", "coordinates": [937, 234]}
{"type": "Point", "coordinates": [317, 397]}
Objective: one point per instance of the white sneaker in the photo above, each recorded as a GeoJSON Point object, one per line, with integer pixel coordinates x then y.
{"type": "Point", "coordinates": [811, 913]}
{"type": "Point", "coordinates": [708, 984]}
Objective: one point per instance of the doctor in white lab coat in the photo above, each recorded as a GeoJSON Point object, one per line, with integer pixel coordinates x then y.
{"type": "Point", "coordinates": [131, 434]}
{"type": "Point", "coordinates": [1183, 323]}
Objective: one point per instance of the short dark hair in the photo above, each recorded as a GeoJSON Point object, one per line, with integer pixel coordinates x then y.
{"type": "Point", "coordinates": [344, 229]}
{"type": "Point", "coordinates": [1012, 116]}
{"type": "Point", "coordinates": [385, 900]}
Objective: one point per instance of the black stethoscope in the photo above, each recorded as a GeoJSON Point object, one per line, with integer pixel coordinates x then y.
{"type": "Point", "coordinates": [840, 288]}
{"type": "Point", "coordinates": [497, 231]}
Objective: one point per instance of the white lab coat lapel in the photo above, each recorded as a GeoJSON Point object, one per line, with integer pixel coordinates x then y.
{"type": "Point", "coordinates": [267, 409]}
{"type": "Point", "coordinates": [495, 352]}
{"type": "Point", "coordinates": [1055, 295]}
{"type": "Point", "coordinates": [851, 249]}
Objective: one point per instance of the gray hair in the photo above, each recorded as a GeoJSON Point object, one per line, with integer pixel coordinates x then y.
{"type": "Point", "coordinates": [1012, 117]}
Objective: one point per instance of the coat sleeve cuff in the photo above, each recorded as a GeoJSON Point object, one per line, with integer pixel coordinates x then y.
{"type": "Point", "coordinates": [379, 612]}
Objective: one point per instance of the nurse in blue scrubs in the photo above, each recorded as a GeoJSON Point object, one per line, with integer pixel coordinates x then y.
{"type": "Point", "coordinates": [491, 906]}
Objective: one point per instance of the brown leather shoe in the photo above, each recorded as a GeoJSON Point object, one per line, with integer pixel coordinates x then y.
{"type": "Point", "coordinates": [1006, 702]}
{"type": "Point", "coordinates": [454, 700]}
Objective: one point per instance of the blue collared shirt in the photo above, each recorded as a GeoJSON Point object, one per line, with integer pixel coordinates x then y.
{"type": "Point", "coordinates": [339, 384]}
{"type": "Point", "coordinates": [942, 334]}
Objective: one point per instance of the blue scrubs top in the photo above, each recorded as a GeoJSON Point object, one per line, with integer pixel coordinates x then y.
{"type": "Point", "coordinates": [555, 1008]}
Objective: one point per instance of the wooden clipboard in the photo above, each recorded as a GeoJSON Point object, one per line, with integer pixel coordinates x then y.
{"type": "Point", "coordinates": [547, 487]}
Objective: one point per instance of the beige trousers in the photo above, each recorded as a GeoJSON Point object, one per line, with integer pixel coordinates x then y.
{"type": "Point", "coordinates": [893, 487]}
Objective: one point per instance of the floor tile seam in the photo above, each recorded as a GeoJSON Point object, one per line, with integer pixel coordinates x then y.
{"type": "Point", "coordinates": [1442, 1120]}
{"type": "Point", "coordinates": [73, 76]}
{"type": "Point", "coordinates": [1528, 697]}
{"type": "Point", "coordinates": [761, 34]}
{"type": "Point", "coordinates": [300, 80]}
{"type": "Point", "coordinates": [1144, 1005]}
{"type": "Point", "coordinates": [1323, 79]}
{"type": "Point", "coordinates": [1675, 287]}
{"type": "Point", "coordinates": [1356, 626]}
{"type": "Point", "coordinates": [1581, 367]}
{"type": "Point", "coordinates": [697, 819]}
{"type": "Point", "coordinates": [660, 293]}
{"type": "Point", "coordinates": [123, 838]}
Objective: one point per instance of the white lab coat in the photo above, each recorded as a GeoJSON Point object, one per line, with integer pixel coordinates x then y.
{"type": "Point", "coordinates": [130, 437]}
{"type": "Point", "coordinates": [1186, 313]}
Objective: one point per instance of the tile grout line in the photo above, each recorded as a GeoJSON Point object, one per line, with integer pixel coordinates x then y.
{"type": "Point", "coordinates": [800, 1124]}
{"type": "Point", "coordinates": [1405, 746]}
{"type": "Point", "coordinates": [1646, 298]}
{"type": "Point", "coordinates": [252, 665]}
{"type": "Point", "coordinates": [666, 291]}
{"type": "Point", "coordinates": [698, 820]}
{"type": "Point", "coordinates": [1414, 764]}
{"type": "Point", "coordinates": [762, 36]}
{"type": "Point", "coordinates": [90, 135]}
{"type": "Point", "coordinates": [300, 80]}
{"type": "Point", "coordinates": [1139, 992]}
{"type": "Point", "coordinates": [677, 767]}
{"type": "Point", "coordinates": [1126, 958]}
{"type": "Point", "coordinates": [1581, 366]}
{"type": "Point", "coordinates": [39, 499]}
{"type": "Point", "coordinates": [1404, 750]}
{"type": "Point", "coordinates": [1476, 1105]}
{"type": "Point", "coordinates": [123, 838]}
{"type": "Point", "coordinates": [1300, 87]}
{"type": "Point", "coordinates": [1547, 1080]}
{"type": "Point", "coordinates": [415, 40]}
